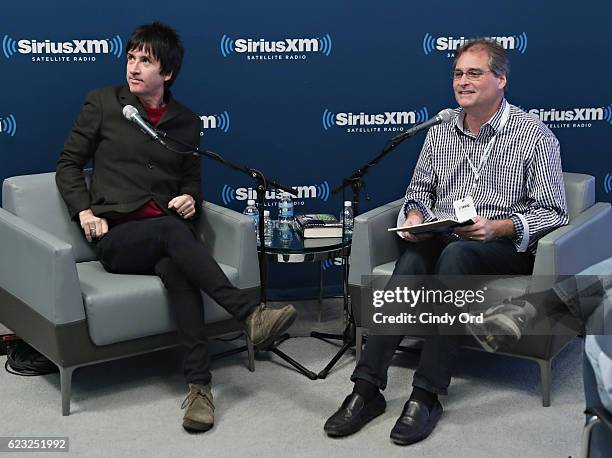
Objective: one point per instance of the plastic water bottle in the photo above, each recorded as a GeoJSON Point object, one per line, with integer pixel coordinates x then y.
{"type": "Point", "coordinates": [251, 210]}
{"type": "Point", "coordinates": [347, 218]}
{"type": "Point", "coordinates": [286, 234]}
{"type": "Point", "coordinates": [268, 226]}
{"type": "Point", "coordinates": [285, 209]}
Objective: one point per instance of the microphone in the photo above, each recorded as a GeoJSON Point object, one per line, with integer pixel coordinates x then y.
{"type": "Point", "coordinates": [443, 116]}
{"type": "Point", "coordinates": [131, 114]}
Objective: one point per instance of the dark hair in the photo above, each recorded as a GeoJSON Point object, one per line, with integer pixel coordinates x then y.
{"type": "Point", "coordinates": [498, 59]}
{"type": "Point", "coordinates": [163, 43]}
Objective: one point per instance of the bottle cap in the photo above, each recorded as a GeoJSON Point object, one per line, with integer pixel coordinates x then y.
{"type": "Point", "coordinates": [250, 202]}
{"type": "Point", "coordinates": [348, 203]}
{"type": "Point", "coordinates": [266, 212]}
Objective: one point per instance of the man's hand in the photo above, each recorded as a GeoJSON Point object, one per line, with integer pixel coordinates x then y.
{"type": "Point", "coordinates": [485, 230]}
{"type": "Point", "coordinates": [184, 206]}
{"type": "Point", "coordinates": [93, 227]}
{"type": "Point", "coordinates": [414, 217]}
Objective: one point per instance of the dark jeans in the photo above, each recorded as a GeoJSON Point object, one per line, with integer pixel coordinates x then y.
{"type": "Point", "coordinates": [166, 247]}
{"type": "Point", "coordinates": [442, 255]}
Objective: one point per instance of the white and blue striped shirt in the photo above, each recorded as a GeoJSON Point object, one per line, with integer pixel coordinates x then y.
{"type": "Point", "coordinates": [522, 179]}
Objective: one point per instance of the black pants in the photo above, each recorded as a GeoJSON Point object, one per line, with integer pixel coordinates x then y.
{"type": "Point", "coordinates": [166, 247]}
{"type": "Point", "coordinates": [442, 255]}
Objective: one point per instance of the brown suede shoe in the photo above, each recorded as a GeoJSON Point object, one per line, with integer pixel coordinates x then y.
{"type": "Point", "coordinates": [199, 416]}
{"type": "Point", "coordinates": [264, 324]}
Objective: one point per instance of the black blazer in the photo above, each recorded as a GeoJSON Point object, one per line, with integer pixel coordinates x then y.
{"type": "Point", "coordinates": [129, 168]}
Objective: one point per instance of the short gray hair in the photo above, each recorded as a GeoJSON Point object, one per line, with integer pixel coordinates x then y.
{"type": "Point", "coordinates": [498, 59]}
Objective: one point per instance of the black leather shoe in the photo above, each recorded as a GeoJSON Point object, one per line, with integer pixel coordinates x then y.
{"type": "Point", "coordinates": [353, 414]}
{"type": "Point", "coordinates": [415, 423]}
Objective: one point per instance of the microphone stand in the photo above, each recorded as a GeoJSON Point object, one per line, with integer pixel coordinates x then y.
{"type": "Point", "coordinates": [355, 181]}
{"type": "Point", "coordinates": [262, 184]}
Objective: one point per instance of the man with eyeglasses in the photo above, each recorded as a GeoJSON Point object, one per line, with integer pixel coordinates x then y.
{"type": "Point", "coordinates": [504, 166]}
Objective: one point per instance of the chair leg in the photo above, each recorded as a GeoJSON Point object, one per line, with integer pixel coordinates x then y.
{"type": "Point", "coordinates": [587, 432]}
{"type": "Point", "coordinates": [545, 380]}
{"type": "Point", "coordinates": [320, 290]}
{"type": "Point", "coordinates": [66, 388]}
{"type": "Point", "coordinates": [359, 331]}
{"type": "Point", "coordinates": [250, 351]}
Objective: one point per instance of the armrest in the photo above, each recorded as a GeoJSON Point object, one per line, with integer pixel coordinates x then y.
{"type": "Point", "coordinates": [230, 237]}
{"type": "Point", "coordinates": [372, 244]}
{"type": "Point", "coordinates": [39, 269]}
{"type": "Point", "coordinates": [583, 242]}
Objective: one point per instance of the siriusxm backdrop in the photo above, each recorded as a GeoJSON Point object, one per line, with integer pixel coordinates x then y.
{"type": "Point", "coordinates": [308, 91]}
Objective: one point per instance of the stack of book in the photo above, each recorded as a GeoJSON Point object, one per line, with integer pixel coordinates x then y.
{"type": "Point", "coordinates": [318, 225]}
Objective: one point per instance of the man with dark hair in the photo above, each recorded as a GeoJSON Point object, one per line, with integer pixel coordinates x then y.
{"type": "Point", "coordinates": [163, 44]}
{"type": "Point", "coordinates": [505, 166]}
{"type": "Point", "coordinates": [142, 201]}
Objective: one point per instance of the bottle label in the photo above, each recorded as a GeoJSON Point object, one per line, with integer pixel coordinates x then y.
{"type": "Point", "coordinates": [347, 218]}
{"type": "Point", "coordinates": [285, 210]}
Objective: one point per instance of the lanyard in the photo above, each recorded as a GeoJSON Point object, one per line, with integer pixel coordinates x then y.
{"type": "Point", "coordinates": [487, 152]}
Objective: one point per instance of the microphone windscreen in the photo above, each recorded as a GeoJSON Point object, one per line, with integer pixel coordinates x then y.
{"type": "Point", "coordinates": [447, 115]}
{"type": "Point", "coordinates": [129, 111]}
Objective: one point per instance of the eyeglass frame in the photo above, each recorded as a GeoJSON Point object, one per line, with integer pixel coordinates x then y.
{"type": "Point", "coordinates": [480, 74]}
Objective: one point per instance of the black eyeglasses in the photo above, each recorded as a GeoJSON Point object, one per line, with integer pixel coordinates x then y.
{"type": "Point", "coordinates": [473, 74]}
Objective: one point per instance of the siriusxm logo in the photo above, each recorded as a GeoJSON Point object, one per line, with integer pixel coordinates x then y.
{"type": "Point", "coordinates": [573, 117]}
{"type": "Point", "coordinates": [219, 121]}
{"type": "Point", "coordinates": [575, 114]}
{"type": "Point", "coordinates": [56, 51]}
{"type": "Point", "coordinates": [390, 121]}
{"type": "Point", "coordinates": [450, 44]}
{"type": "Point", "coordinates": [287, 48]}
{"type": "Point", "coordinates": [608, 183]}
{"type": "Point", "coordinates": [8, 125]}
{"type": "Point", "coordinates": [318, 191]}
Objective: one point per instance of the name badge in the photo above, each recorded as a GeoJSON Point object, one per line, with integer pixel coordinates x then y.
{"type": "Point", "coordinates": [464, 209]}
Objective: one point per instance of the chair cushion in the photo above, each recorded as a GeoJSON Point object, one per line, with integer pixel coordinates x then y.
{"type": "Point", "coordinates": [384, 269]}
{"type": "Point", "coordinates": [125, 307]}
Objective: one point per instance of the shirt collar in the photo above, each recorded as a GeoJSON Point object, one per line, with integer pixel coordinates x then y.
{"type": "Point", "coordinates": [493, 123]}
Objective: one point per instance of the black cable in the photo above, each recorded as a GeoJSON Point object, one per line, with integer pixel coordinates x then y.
{"type": "Point", "coordinates": [25, 361]}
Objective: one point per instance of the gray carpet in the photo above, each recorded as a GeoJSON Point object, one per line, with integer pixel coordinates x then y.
{"type": "Point", "coordinates": [131, 407]}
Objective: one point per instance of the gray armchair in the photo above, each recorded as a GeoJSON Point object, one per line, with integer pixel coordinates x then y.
{"type": "Point", "coordinates": [564, 251]}
{"type": "Point", "coordinates": [58, 297]}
